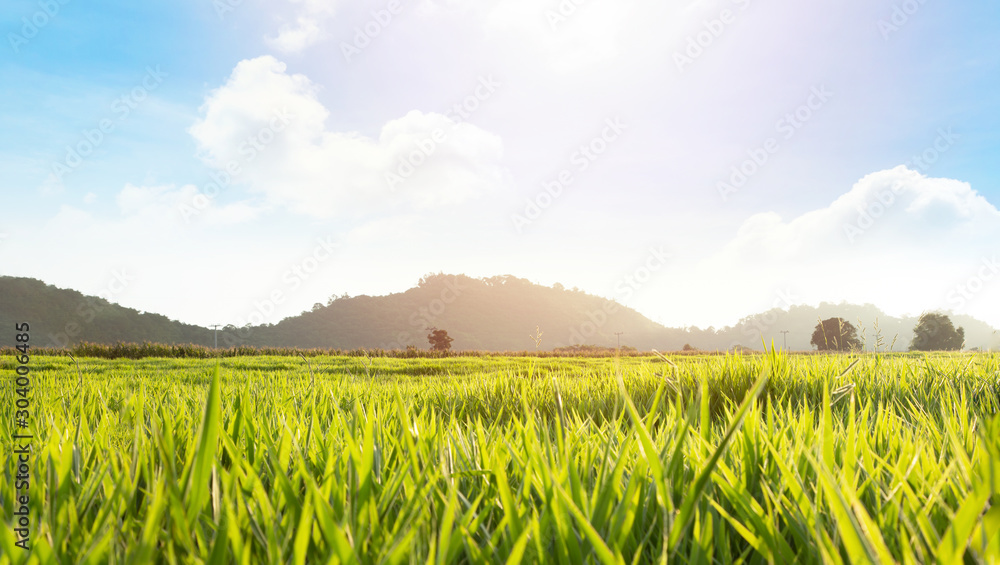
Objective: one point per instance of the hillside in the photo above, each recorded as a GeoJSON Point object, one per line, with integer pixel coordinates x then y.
{"type": "Point", "coordinates": [499, 313]}
{"type": "Point", "coordinates": [61, 317]}
{"type": "Point", "coordinates": [496, 313]}
{"type": "Point", "coordinates": [800, 321]}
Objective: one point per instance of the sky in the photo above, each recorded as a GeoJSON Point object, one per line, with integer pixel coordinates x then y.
{"type": "Point", "coordinates": [237, 161]}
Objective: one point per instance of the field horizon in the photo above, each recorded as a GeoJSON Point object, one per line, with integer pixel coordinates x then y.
{"type": "Point", "coordinates": [737, 458]}
{"type": "Point", "coordinates": [492, 313]}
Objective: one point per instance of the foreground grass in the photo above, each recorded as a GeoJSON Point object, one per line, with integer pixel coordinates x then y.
{"type": "Point", "coordinates": [763, 459]}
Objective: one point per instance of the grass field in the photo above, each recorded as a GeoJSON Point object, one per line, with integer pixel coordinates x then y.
{"type": "Point", "coordinates": [724, 459]}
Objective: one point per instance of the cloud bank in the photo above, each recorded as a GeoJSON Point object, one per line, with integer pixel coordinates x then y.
{"type": "Point", "coordinates": [898, 239]}
{"type": "Point", "coordinates": [266, 130]}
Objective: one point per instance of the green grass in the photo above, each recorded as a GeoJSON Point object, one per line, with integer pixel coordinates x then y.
{"type": "Point", "coordinates": [719, 459]}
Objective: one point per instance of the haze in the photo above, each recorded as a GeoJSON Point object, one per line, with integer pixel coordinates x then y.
{"type": "Point", "coordinates": [696, 161]}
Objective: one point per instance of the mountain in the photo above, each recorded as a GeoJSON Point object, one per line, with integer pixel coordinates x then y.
{"type": "Point", "coordinates": [495, 313]}
{"type": "Point", "coordinates": [60, 317]}
{"type": "Point", "coordinates": [499, 313]}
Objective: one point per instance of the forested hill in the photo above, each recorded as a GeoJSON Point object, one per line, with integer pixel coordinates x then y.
{"type": "Point", "coordinates": [499, 313]}
{"type": "Point", "coordinates": [496, 314]}
{"type": "Point", "coordinates": [60, 317]}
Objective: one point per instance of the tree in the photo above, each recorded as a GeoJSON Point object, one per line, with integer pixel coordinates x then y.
{"type": "Point", "coordinates": [439, 339]}
{"type": "Point", "coordinates": [935, 332]}
{"type": "Point", "coordinates": [835, 334]}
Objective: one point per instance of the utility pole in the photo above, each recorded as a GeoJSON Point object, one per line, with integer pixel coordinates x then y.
{"type": "Point", "coordinates": [784, 337]}
{"type": "Point", "coordinates": [216, 328]}
{"type": "Point", "coordinates": [619, 335]}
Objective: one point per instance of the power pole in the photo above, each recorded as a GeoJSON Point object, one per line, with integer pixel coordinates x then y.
{"type": "Point", "coordinates": [784, 338]}
{"type": "Point", "coordinates": [216, 328]}
{"type": "Point", "coordinates": [619, 335]}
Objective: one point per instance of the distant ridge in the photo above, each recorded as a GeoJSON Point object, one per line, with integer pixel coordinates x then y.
{"type": "Point", "coordinates": [61, 317]}
{"type": "Point", "coordinates": [495, 313]}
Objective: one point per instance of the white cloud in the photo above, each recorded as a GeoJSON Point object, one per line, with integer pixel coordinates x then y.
{"type": "Point", "coordinates": [169, 206]}
{"type": "Point", "coordinates": [295, 38]}
{"type": "Point", "coordinates": [270, 127]}
{"type": "Point", "coordinates": [897, 239]}
{"type": "Point", "coordinates": [308, 28]}
{"type": "Point", "coordinates": [898, 208]}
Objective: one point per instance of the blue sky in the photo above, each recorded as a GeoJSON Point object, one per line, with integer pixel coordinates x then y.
{"type": "Point", "coordinates": [672, 99]}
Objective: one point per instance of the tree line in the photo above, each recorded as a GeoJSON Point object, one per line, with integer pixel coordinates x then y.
{"type": "Point", "coordinates": [934, 332]}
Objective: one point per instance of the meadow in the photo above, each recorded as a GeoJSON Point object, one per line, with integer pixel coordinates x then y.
{"type": "Point", "coordinates": [766, 458]}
